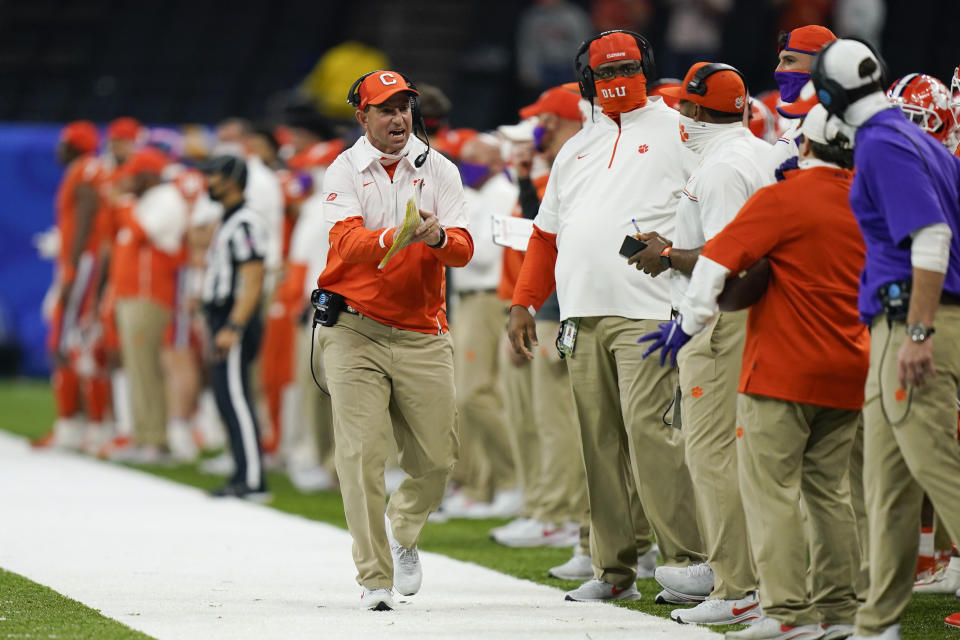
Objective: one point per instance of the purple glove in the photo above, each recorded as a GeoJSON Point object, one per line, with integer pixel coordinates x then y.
{"type": "Point", "coordinates": [788, 165]}
{"type": "Point", "coordinates": [670, 336]}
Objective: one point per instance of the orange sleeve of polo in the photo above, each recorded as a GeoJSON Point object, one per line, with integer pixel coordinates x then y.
{"type": "Point", "coordinates": [458, 249]}
{"type": "Point", "coordinates": [354, 243]}
{"type": "Point", "coordinates": [537, 280]}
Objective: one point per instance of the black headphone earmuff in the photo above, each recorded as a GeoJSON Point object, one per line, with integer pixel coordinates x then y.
{"type": "Point", "coordinates": [584, 73]}
{"type": "Point", "coordinates": [831, 94]}
{"type": "Point", "coordinates": [353, 98]}
{"type": "Point", "coordinates": [698, 83]}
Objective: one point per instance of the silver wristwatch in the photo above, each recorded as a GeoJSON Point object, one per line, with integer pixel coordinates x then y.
{"type": "Point", "coordinates": [919, 332]}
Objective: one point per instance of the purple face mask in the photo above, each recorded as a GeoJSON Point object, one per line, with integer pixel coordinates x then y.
{"type": "Point", "coordinates": [790, 83]}
{"type": "Point", "coordinates": [473, 174]}
{"type": "Point", "coordinates": [539, 133]}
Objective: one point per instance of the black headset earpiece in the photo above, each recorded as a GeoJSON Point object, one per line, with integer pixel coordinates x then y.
{"type": "Point", "coordinates": [584, 73]}
{"type": "Point", "coordinates": [353, 97]}
{"type": "Point", "coordinates": [831, 94]}
{"type": "Point", "coordinates": [698, 83]}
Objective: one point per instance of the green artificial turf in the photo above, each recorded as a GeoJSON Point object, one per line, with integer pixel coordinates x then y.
{"type": "Point", "coordinates": [30, 610]}
{"type": "Point", "coordinates": [27, 410]}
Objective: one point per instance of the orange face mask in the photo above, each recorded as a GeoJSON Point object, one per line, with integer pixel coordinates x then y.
{"type": "Point", "coordinates": [620, 95]}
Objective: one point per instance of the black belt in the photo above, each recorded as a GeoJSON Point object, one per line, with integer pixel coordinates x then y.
{"type": "Point", "coordinates": [472, 292]}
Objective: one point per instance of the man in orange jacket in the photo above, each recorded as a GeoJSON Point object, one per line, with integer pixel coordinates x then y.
{"type": "Point", "coordinates": [389, 357]}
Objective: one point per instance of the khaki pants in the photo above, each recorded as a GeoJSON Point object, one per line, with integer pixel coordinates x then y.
{"type": "Point", "coordinates": [561, 491]}
{"type": "Point", "coordinates": [486, 462]}
{"type": "Point", "coordinates": [141, 324]}
{"type": "Point", "coordinates": [620, 400]}
{"type": "Point", "coordinates": [858, 501]}
{"type": "Point", "coordinates": [709, 376]}
{"type": "Point", "coordinates": [790, 450]}
{"type": "Point", "coordinates": [517, 383]}
{"type": "Point", "coordinates": [387, 383]}
{"type": "Point", "coordinates": [311, 441]}
{"type": "Point", "coordinates": [910, 446]}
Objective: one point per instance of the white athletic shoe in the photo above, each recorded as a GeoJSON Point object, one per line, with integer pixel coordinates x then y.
{"type": "Point", "coordinates": [772, 629]}
{"type": "Point", "coordinates": [600, 591]}
{"type": "Point", "coordinates": [407, 571]}
{"type": "Point", "coordinates": [578, 567]}
{"type": "Point", "coordinates": [946, 580]}
{"type": "Point", "coordinates": [312, 479]}
{"type": "Point", "coordinates": [693, 582]}
{"type": "Point", "coordinates": [539, 534]}
{"type": "Point", "coordinates": [647, 563]}
{"type": "Point", "coordinates": [837, 631]}
{"type": "Point", "coordinates": [506, 504]}
{"type": "Point", "coordinates": [458, 505]}
{"type": "Point", "coordinates": [510, 527]}
{"type": "Point", "coordinates": [376, 599]}
{"type": "Point", "coordinates": [183, 447]}
{"type": "Point", "coordinates": [890, 633]}
{"type": "Point", "coordinates": [221, 465]}
{"type": "Point", "coordinates": [665, 597]}
{"type": "Point", "coordinates": [741, 611]}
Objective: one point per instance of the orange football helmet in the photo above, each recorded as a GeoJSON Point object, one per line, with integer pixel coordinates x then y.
{"type": "Point", "coordinates": [926, 101]}
{"type": "Point", "coordinates": [762, 123]}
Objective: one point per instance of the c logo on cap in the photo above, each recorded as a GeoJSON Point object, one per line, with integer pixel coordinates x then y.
{"type": "Point", "coordinates": [388, 79]}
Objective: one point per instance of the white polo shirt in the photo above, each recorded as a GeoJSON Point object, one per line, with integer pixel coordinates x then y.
{"type": "Point", "coordinates": [310, 241]}
{"type": "Point", "coordinates": [732, 167]}
{"type": "Point", "coordinates": [496, 197]}
{"type": "Point", "coordinates": [356, 184]}
{"type": "Point", "coordinates": [603, 177]}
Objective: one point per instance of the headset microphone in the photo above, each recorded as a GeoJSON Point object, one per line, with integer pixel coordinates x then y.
{"type": "Point", "coordinates": [353, 97]}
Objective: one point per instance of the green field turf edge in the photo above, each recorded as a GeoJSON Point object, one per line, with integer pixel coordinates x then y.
{"type": "Point", "coordinates": [31, 610]}
{"type": "Point", "coordinates": [26, 408]}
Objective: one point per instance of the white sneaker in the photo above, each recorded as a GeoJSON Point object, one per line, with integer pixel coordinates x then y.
{"type": "Point", "coordinates": [836, 631]}
{"type": "Point", "coordinates": [665, 597]}
{"type": "Point", "coordinates": [407, 571]}
{"type": "Point", "coordinates": [540, 534]}
{"type": "Point", "coordinates": [393, 478]}
{"type": "Point", "coordinates": [312, 479]}
{"type": "Point", "coordinates": [96, 434]}
{"type": "Point", "coordinates": [183, 447]}
{"type": "Point", "coordinates": [772, 629]}
{"type": "Point", "coordinates": [458, 505]}
{"type": "Point", "coordinates": [946, 580]}
{"type": "Point", "coordinates": [506, 504]}
{"type": "Point", "coordinates": [694, 582]}
{"type": "Point", "coordinates": [68, 433]}
{"type": "Point", "coordinates": [578, 567]}
{"type": "Point", "coordinates": [221, 465]}
{"type": "Point", "coordinates": [515, 524]}
{"type": "Point", "coordinates": [741, 611]}
{"type": "Point", "coordinates": [376, 599]}
{"type": "Point", "coordinates": [647, 563]}
{"type": "Point", "coordinates": [890, 633]}
{"type": "Point", "coordinates": [600, 591]}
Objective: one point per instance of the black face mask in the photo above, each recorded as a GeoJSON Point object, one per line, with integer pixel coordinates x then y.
{"type": "Point", "coordinates": [213, 195]}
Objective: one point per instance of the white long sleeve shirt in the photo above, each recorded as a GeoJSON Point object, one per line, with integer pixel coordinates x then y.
{"type": "Point", "coordinates": [732, 168]}
{"type": "Point", "coordinates": [496, 197]}
{"type": "Point", "coordinates": [310, 242]}
{"type": "Point", "coordinates": [604, 177]}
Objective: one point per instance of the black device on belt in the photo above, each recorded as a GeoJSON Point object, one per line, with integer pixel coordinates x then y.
{"type": "Point", "coordinates": [327, 307]}
{"type": "Point", "coordinates": [895, 299]}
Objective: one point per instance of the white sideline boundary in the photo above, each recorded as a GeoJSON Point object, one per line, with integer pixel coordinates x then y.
{"type": "Point", "coordinates": [167, 560]}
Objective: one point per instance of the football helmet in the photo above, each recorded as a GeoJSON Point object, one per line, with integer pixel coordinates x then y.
{"type": "Point", "coordinates": [761, 122]}
{"type": "Point", "coordinates": [926, 101]}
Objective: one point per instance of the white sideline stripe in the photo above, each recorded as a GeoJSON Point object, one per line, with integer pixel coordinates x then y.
{"type": "Point", "coordinates": [248, 435]}
{"type": "Point", "coordinates": [167, 560]}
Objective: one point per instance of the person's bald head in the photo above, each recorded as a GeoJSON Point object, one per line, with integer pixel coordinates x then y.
{"type": "Point", "coordinates": [483, 150]}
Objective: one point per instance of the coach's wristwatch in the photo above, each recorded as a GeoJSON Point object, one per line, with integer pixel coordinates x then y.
{"type": "Point", "coordinates": [665, 260]}
{"type": "Point", "coordinates": [919, 332]}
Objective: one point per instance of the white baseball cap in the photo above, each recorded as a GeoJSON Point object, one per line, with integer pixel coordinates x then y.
{"type": "Point", "coordinates": [851, 63]}
{"type": "Point", "coordinates": [814, 125]}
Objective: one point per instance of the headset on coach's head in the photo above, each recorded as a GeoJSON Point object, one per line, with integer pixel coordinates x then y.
{"type": "Point", "coordinates": [831, 94]}
{"type": "Point", "coordinates": [353, 97]}
{"type": "Point", "coordinates": [584, 73]}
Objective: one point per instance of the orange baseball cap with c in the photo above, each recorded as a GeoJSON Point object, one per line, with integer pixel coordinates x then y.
{"type": "Point", "coordinates": [562, 101]}
{"type": "Point", "coordinates": [809, 39]}
{"type": "Point", "coordinates": [613, 47]}
{"type": "Point", "coordinates": [123, 129]}
{"type": "Point", "coordinates": [379, 86]}
{"type": "Point", "coordinates": [146, 160]}
{"type": "Point", "coordinates": [725, 91]}
{"type": "Point", "coordinates": [82, 135]}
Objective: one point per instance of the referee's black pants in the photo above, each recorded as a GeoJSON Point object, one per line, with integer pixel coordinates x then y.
{"type": "Point", "coordinates": [229, 379]}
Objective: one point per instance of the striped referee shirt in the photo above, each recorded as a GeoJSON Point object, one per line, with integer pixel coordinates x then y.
{"type": "Point", "coordinates": [240, 238]}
